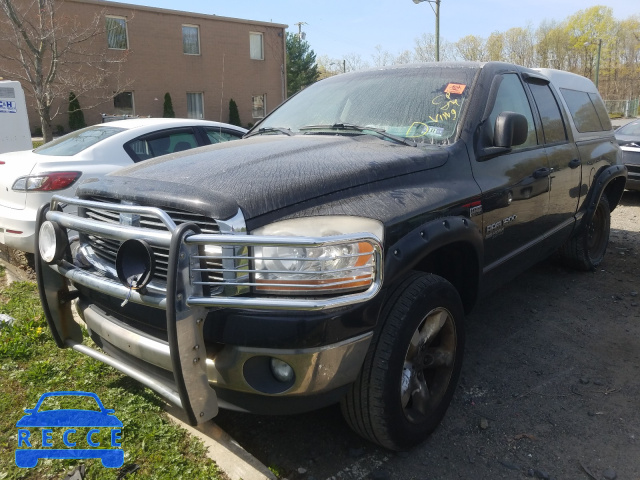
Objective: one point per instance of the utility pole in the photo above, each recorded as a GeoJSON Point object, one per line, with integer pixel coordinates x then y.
{"type": "Point", "coordinates": [598, 61]}
{"type": "Point", "coordinates": [301, 34]}
{"type": "Point", "coordinates": [437, 12]}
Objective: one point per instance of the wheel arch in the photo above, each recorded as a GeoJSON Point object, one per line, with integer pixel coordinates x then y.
{"type": "Point", "coordinates": [609, 181]}
{"type": "Point", "coordinates": [450, 247]}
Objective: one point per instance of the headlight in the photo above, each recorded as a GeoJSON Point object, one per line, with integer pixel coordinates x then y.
{"type": "Point", "coordinates": [335, 268]}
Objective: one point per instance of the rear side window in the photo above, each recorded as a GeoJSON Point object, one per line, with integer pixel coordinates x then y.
{"type": "Point", "coordinates": [582, 110]}
{"type": "Point", "coordinates": [552, 122]}
{"type": "Point", "coordinates": [154, 145]}
{"type": "Point", "coordinates": [78, 141]}
{"type": "Point", "coordinates": [601, 110]}
{"type": "Point", "coordinates": [217, 135]}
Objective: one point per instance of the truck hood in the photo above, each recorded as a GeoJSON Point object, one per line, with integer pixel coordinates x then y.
{"type": "Point", "coordinates": [263, 174]}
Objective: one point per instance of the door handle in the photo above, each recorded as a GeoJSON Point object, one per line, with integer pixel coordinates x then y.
{"type": "Point", "coordinates": [575, 163]}
{"type": "Point", "coordinates": [542, 172]}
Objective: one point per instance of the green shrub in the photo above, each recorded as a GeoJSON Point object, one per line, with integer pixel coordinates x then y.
{"type": "Point", "coordinates": [37, 131]}
{"type": "Point", "coordinates": [167, 109]}
{"type": "Point", "coordinates": [234, 115]}
{"type": "Point", "coordinates": [76, 116]}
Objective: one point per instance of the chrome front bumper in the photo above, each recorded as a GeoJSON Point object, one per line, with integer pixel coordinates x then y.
{"type": "Point", "coordinates": [184, 355]}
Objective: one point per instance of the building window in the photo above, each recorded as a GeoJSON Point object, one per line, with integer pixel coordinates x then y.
{"type": "Point", "coordinates": [255, 40]}
{"type": "Point", "coordinates": [123, 104]}
{"type": "Point", "coordinates": [117, 33]}
{"type": "Point", "coordinates": [259, 103]}
{"type": "Point", "coordinates": [195, 105]}
{"type": "Point", "coordinates": [191, 39]}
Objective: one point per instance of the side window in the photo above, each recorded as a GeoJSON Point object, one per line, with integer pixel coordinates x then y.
{"type": "Point", "coordinates": [195, 105]}
{"type": "Point", "coordinates": [216, 135]}
{"type": "Point", "coordinates": [601, 110]}
{"type": "Point", "coordinates": [123, 104]}
{"type": "Point", "coordinates": [582, 110]}
{"type": "Point", "coordinates": [259, 106]}
{"type": "Point", "coordinates": [552, 123]}
{"type": "Point", "coordinates": [190, 39]}
{"type": "Point", "coordinates": [256, 50]}
{"type": "Point", "coordinates": [511, 97]}
{"type": "Point", "coordinates": [116, 30]}
{"type": "Point", "coordinates": [154, 145]}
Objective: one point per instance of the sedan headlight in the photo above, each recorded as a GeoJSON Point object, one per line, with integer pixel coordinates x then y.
{"type": "Point", "coordinates": [336, 268]}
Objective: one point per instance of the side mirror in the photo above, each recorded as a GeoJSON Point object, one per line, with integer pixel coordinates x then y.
{"type": "Point", "coordinates": [511, 129]}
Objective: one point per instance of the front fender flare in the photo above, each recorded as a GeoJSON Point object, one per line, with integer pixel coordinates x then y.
{"type": "Point", "coordinates": [406, 253]}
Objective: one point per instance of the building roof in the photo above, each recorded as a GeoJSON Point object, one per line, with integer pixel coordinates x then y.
{"type": "Point", "coordinates": [109, 3]}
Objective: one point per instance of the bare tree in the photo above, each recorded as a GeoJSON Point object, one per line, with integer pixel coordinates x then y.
{"type": "Point", "coordinates": [53, 54]}
{"type": "Point", "coordinates": [424, 49]}
{"type": "Point", "coordinates": [471, 48]}
{"type": "Point", "coordinates": [353, 62]}
{"type": "Point", "coordinates": [382, 57]}
{"type": "Point", "coordinates": [519, 46]}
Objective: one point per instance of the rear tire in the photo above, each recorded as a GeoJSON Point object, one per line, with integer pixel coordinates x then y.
{"type": "Point", "coordinates": [586, 250]}
{"type": "Point", "coordinates": [412, 367]}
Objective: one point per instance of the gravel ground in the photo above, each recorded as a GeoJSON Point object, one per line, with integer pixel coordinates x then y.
{"type": "Point", "coordinates": [550, 387]}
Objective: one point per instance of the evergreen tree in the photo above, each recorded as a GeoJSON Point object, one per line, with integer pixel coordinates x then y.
{"type": "Point", "coordinates": [234, 115]}
{"type": "Point", "coordinates": [302, 69]}
{"type": "Point", "coordinates": [167, 109]}
{"type": "Point", "coordinates": [76, 116]}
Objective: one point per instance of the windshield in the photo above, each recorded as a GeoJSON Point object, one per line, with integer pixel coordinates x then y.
{"type": "Point", "coordinates": [78, 141]}
{"type": "Point", "coordinates": [632, 128]}
{"type": "Point", "coordinates": [422, 103]}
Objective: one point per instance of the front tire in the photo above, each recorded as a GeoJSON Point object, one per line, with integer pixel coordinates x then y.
{"type": "Point", "coordinates": [411, 370]}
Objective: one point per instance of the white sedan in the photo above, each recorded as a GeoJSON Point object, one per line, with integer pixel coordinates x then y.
{"type": "Point", "coordinates": [30, 178]}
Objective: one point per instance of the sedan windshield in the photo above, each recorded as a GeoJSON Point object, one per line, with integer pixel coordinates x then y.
{"type": "Point", "coordinates": [418, 102]}
{"type": "Point", "coordinates": [632, 128]}
{"type": "Point", "coordinates": [76, 142]}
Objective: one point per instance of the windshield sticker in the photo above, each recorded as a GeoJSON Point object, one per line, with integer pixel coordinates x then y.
{"type": "Point", "coordinates": [456, 88]}
{"type": "Point", "coordinates": [419, 129]}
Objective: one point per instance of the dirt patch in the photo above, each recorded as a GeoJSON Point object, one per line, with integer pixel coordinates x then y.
{"type": "Point", "coordinates": [20, 261]}
{"type": "Point", "coordinates": [550, 387]}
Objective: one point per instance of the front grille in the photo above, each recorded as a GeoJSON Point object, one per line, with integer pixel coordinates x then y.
{"type": "Point", "coordinates": [633, 169]}
{"type": "Point", "coordinates": [106, 249]}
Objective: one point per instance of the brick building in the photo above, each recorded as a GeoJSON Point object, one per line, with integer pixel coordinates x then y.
{"type": "Point", "coordinates": [201, 60]}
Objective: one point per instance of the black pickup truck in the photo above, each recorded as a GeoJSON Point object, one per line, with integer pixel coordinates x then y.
{"type": "Point", "coordinates": [331, 255]}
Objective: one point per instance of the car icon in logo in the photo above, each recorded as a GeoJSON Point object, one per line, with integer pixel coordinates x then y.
{"type": "Point", "coordinates": [60, 425]}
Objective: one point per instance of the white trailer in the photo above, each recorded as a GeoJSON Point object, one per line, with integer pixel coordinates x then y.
{"type": "Point", "coordinates": [14, 123]}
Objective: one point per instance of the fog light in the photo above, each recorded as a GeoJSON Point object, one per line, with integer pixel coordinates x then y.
{"type": "Point", "coordinates": [135, 262]}
{"type": "Point", "coordinates": [52, 240]}
{"type": "Point", "coordinates": [281, 370]}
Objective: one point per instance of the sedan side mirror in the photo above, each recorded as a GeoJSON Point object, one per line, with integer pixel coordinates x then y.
{"type": "Point", "coordinates": [511, 129]}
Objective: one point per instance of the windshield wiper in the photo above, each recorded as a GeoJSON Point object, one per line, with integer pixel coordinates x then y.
{"type": "Point", "coordinates": [260, 131]}
{"type": "Point", "coordinates": [358, 128]}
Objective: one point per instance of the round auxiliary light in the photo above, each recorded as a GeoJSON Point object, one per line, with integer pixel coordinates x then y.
{"type": "Point", "coordinates": [52, 240]}
{"type": "Point", "coordinates": [135, 263]}
{"type": "Point", "coordinates": [281, 370]}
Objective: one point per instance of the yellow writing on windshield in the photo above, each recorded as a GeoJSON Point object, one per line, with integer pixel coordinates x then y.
{"type": "Point", "coordinates": [448, 108]}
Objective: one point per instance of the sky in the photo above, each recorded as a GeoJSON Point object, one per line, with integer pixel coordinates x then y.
{"type": "Point", "coordinates": [340, 27]}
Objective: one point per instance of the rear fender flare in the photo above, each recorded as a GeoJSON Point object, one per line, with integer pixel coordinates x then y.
{"type": "Point", "coordinates": [603, 179]}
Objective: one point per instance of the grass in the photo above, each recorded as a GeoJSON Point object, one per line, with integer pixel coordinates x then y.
{"type": "Point", "coordinates": [36, 144]}
{"type": "Point", "coordinates": [31, 364]}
